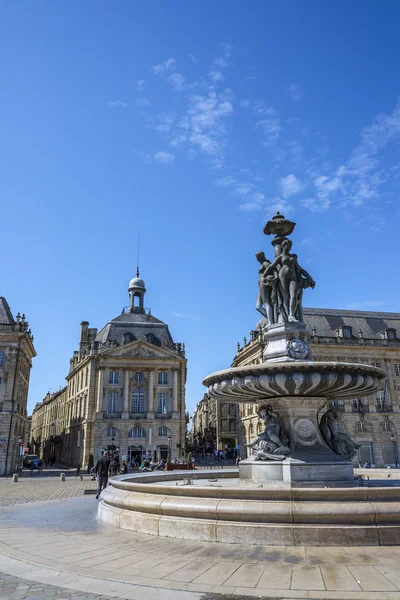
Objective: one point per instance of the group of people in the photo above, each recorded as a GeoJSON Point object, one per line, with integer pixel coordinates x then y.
{"type": "Point", "coordinates": [151, 465]}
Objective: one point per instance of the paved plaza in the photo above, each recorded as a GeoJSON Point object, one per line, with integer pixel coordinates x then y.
{"type": "Point", "coordinates": [56, 548]}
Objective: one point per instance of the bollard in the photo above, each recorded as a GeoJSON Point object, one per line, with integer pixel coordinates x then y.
{"type": "Point", "coordinates": [15, 478]}
{"type": "Point", "coordinates": [62, 476]}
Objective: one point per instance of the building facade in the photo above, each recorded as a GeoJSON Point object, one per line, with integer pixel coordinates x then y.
{"type": "Point", "coordinates": [350, 336]}
{"type": "Point", "coordinates": [215, 426]}
{"type": "Point", "coordinates": [16, 353]}
{"type": "Point", "coordinates": [125, 392]}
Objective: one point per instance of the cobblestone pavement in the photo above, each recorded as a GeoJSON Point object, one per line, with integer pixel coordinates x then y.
{"type": "Point", "coordinates": [37, 489]}
{"type": "Point", "coordinates": [16, 588]}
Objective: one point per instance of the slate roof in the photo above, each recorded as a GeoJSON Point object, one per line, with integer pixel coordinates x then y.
{"type": "Point", "coordinates": [327, 320]}
{"type": "Point", "coordinates": [138, 324]}
{"type": "Point", "coordinates": [6, 317]}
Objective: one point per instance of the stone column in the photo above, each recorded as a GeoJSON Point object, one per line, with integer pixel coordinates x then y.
{"type": "Point", "coordinates": [99, 407]}
{"type": "Point", "coordinates": [175, 392]}
{"type": "Point", "coordinates": [150, 406]}
{"type": "Point", "coordinates": [125, 408]}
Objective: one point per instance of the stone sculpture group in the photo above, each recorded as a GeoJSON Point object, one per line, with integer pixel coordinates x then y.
{"type": "Point", "coordinates": [280, 300]}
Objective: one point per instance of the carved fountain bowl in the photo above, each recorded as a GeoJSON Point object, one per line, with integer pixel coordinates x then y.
{"type": "Point", "coordinates": [299, 378]}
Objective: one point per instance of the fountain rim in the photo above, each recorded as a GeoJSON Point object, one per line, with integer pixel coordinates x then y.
{"type": "Point", "coordinates": [292, 367]}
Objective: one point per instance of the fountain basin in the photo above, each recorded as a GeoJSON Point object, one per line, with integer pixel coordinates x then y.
{"type": "Point", "coordinates": [265, 381]}
{"type": "Point", "coordinates": [228, 511]}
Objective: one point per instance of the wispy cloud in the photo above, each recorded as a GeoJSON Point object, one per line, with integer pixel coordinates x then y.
{"type": "Point", "coordinates": [365, 305]}
{"type": "Point", "coordinates": [177, 81]}
{"type": "Point", "coordinates": [116, 104]}
{"type": "Point", "coordinates": [290, 186]}
{"type": "Point", "coordinates": [179, 315]}
{"type": "Point", "coordinates": [140, 85]}
{"type": "Point", "coordinates": [295, 92]}
{"type": "Point", "coordinates": [143, 102]}
{"type": "Point", "coordinates": [167, 65]}
{"type": "Point", "coordinates": [165, 158]}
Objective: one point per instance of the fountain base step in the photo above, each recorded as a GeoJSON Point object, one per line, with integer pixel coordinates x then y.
{"type": "Point", "coordinates": [216, 507]}
{"type": "Point", "coordinates": [294, 470]}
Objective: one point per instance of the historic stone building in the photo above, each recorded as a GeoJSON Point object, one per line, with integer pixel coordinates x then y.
{"type": "Point", "coordinates": [125, 391]}
{"type": "Point", "coordinates": [16, 353]}
{"type": "Point", "coordinates": [350, 336]}
{"type": "Point", "coordinates": [214, 425]}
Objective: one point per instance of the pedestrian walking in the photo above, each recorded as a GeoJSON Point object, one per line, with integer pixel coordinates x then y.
{"type": "Point", "coordinates": [102, 469]}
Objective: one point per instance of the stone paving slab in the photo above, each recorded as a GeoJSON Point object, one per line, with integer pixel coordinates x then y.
{"type": "Point", "coordinates": [37, 489]}
{"type": "Point", "coordinates": [61, 543]}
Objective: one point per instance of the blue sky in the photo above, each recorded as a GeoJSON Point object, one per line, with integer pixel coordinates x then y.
{"type": "Point", "coordinates": [192, 123]}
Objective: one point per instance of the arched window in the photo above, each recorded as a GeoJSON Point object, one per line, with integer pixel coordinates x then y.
{"type": "Point", "coordinates": [128, 338]}
{"type": "Point", "coordinates": [152, 339]}
{"type": "Point", "coordinates": [111, 432]}
{"type": "Point", "coordinates": [251, 429]}
{"type": "Point", "coordinates": [137, 405]}
{"type": "Point", "coordinates": [137, 432]}
{"type": "Point", "coordinates": [163, 431]}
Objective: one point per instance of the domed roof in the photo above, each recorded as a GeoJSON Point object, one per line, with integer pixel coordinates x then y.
{"type": "Point", "coordinates": [137, 282]}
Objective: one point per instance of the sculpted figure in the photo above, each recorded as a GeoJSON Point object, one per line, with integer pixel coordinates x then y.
{"type": "Point", "coordinates": [337, 441]}
{"type": "Point", "coordinates": [266, 299]}
{"type": "Point", "coordinates": [272, 442]}
{"type": "Point", "coordinates": [290, 282]}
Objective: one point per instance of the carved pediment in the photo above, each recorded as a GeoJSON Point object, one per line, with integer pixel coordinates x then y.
{"type": "Point", "coordinates": [139, 349]}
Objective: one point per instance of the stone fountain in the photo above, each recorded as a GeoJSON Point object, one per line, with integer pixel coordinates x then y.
{"type": "Point", "coordinates": [295, 446]}
{"type": "Point", "coordinates": [298, 487]}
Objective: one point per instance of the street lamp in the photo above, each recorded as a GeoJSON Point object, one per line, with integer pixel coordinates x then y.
{"type": "Point", "coordinates": [169, 445]}
{"type": "Point", "coordinates": [112, 445]}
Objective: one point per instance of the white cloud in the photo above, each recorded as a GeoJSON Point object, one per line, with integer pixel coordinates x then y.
{"type": "Point", "coordinates": [225, 181]}
{"type": "Point", "coordinates": [176, 80]}
{"type": "Point", "coordinates": [317, 204]}
{"type": "Point", "coordinates": [167, 65]}
{"type": "Point", "coordinates": [270, 125]}
{"type": "Point", "coordinates": [165, 158]}
{"type": "Point", "coordinates": [290, 185]}
{"type": "Point", "coordinates": [215, 75]}
{"type": "Point", "coordinates": [244, 103]}
{"type": "Point", "coordinates": [250, 206]}
{"type": "Point", "coordinates": [140, 85]}
{"type": "Point", "coordinates": [327, 185]}
{"type": "Point", "coordinates": [179, 315]}
{"type": "Point", "coordinates": [295, 92]}
{"type": "Point", "coordinates": [364, 305]}
{"type": "Point", "coordinates": [116, 104]}
{"type": "Point", "coordinates": [194, 58]}
{"type": "Point", "coordinates": [164, 122]}
{"type": "Point", "coordinates": [142, 102]}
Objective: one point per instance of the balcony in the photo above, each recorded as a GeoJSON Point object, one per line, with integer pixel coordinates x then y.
{"type": "Point", "coordinates": [138, 416]}
{"type": "Point", "coordinates": [111, 415]}
{"type": "Point", "coordinates": [382, 408]}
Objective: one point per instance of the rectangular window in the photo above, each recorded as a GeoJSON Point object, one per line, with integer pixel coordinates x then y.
{"type": "Point", "coordinates": [1, 358]}
{"type": "Point", "coordinates": [346, 332]}
{"type": "Point", "coordinates": [163, 378]}
{"type": "Point", "coordinates": [397, 369]}
{"type": "Point", "coordinates": [113, 377]}
{"type": "Point", "coordinates": [366, 453]}
{"type": "Point", "coordinates": [162, 402]}
{"type": "Point", "coordinates": [112, 402]}
{"type": "Point", "coordinates": [375, 364]}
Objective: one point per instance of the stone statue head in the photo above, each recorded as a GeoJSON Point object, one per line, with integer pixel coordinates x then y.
{"type": "Point", "coordinates": [286, 246]}
{"type": "Point", "coordinates": [260, 256]}
{"type": "Point", "coordinates": [264, 409]}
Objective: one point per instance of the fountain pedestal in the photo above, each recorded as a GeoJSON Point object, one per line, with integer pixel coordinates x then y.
{"type": "Point", "coordinates": [311, 459]}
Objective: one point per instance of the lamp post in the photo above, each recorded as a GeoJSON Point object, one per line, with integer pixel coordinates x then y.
{"type": "Point", "coordinates": [169, 446]}
{"type": "Point", "coordinates": [396, 456]}
{"type": "Point", "coordinates": [112, 445]}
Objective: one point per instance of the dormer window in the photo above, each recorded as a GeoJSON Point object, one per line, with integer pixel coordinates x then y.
{"type": "Point", "coordinates": [390, 334]}
{"type": "Point", "coordinates": [347, 332]}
